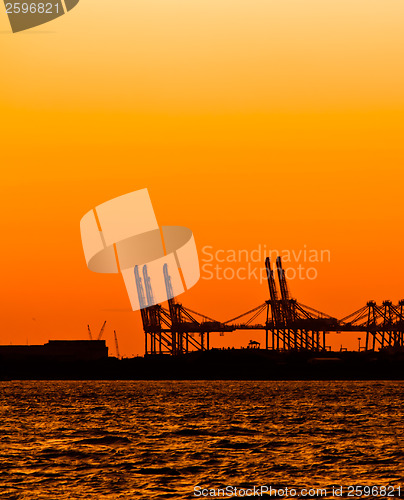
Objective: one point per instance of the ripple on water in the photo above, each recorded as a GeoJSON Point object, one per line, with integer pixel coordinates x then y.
{"type": "Point", "coordinates": [130, 440]}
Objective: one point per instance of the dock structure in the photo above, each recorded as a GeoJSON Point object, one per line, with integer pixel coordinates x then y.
{"type": "Point", "coordinates": [288, 324]}
{"type": "Point", "coordinates": [59, 351]}
{"type": "Point", "coordinates": [384, 325]}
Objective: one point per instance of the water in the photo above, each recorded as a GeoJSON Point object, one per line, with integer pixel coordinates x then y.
{"type": "Point", "coordinates": [156, 440]}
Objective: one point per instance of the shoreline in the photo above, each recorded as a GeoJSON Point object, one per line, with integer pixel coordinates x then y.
{"type": "Point", "coordinates": [216, 364]}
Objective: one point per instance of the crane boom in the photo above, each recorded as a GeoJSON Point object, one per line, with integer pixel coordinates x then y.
{"type": "Point", "coordinates": [147, 284]}
{"type": "Point", "coordinates": [101, 331]}
{"type": "Point", "coordinates": [273, 292]}
{"type": "Point", "coordinates": [116, 345]}
{"type": "Point", "coordinates": [288, 305]}
{"type": "Point", "coordinates": [175, 309]}
{"type": "Point", "coordinates": [282, 279]}
{"type": "Point", "coordinates": [271, 280]}
{"type": "Point", "coordinates": [167, 280]}
{"type": "Point", "coordinates": [152, 309]}
{"type": "Point", "coordinates": [141, 297]}
{"type": "Point", "coordinates": [139, 287]}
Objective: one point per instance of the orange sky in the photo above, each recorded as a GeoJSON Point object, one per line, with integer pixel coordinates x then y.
{"type": "Point", "coordinates": [251, 122]}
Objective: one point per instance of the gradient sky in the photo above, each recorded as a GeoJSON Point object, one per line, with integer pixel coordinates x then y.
{"type": "Point", "coordinates": [251, 122]}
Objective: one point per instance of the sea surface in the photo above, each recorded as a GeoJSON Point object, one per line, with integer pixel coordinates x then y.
{"type": "Point", "coordinates": [158, 440]}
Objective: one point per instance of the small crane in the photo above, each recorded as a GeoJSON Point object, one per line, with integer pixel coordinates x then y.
{"type": "Point", "coordinates": [101, 331]}
{"type": "Point", "coordinates": [99, 335]}
{"type": "Point", "coordinates": [116, 345]}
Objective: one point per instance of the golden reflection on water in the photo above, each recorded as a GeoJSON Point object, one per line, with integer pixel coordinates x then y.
{"type": "Point", "coordinates": [158, 440]}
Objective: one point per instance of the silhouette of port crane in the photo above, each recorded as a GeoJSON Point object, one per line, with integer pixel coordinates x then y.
{"type": "Point", "coordinates": [174, 330]}
{"type": "Point", "coordinates": [384, 325]}
{"type": "Point", "coordinates": [288, 324]}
